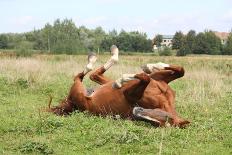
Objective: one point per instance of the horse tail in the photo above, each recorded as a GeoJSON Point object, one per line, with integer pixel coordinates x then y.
{"type": "Point", "coordinates": [50, 101]}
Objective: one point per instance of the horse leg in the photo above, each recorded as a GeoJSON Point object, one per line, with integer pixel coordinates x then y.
{"type": "Point", "coordinates": [113, 59]}
{"type": "Point", "coordinates": [98, 76]}
{"type": "Point", "coordinates": [163, 72]}
{"type": "Point", "coordinates": [169, 106]}
{"type": "Point", "coordinates": [168, 73]}
{"type": "Point", "coordinates": [157, 117]}
{"type": "Point", "coordinates": [91, 60]}
{"type": "Point", "coordinates": [132, 85]}
{"type": "Point", "coordinates": [77, 94]}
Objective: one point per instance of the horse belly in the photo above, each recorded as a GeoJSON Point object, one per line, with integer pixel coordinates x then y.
{"type": "Point", "coordinates": [109, 101]}
{"type": "Point", "coordinates": [151, 96]}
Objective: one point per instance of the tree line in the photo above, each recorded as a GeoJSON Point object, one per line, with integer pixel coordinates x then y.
{"type": "Point", "coordinates": [63, 36]}
{"type": "Point", "coordinates": [202, 43]}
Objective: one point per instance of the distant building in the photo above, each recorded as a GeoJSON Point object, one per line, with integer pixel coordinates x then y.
{"type": "Point", "coordinates": [223, 36]}
{"type": "Point", "coordinates": [167, 41]}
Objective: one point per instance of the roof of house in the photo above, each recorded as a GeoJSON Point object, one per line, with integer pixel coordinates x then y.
{"type": "Point", "coordinates": [222, 35]}
{"type": "Point", "coordinates": [167, 36]}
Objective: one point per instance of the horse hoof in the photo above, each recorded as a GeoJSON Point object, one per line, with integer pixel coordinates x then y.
{"type": "Point", "coordinates": [92, 57]}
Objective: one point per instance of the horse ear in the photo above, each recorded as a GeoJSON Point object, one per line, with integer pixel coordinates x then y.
{"type": "Point", "coordinates": [183, 123]}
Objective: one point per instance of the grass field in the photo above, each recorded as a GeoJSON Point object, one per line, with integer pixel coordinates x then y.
{"type": "Point", "coordinates": [203, 96]}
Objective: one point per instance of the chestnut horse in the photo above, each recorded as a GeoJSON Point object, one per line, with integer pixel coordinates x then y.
{"type": "Point", "coordinates": [145, 96]}
{"type": "Point", "coordinates": [158, 96]}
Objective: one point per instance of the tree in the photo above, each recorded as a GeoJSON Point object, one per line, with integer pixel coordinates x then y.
{"type": "Point", "coordinates": [123, 41]}
{"type": "Point", "coordinates": [178, 40]}
{"type": "Point", "coordinates": [184, 50]}
{"type": "Point", "coordinates": [228, 47]}
{"type": "Point", "coordinates": [188, 44]}
{"type": "Point", "coordinates": [98, 35]}
{"type": "Point", "coordinates": [158, 40]}
{"type": "Point", "coordinates": [85, 38]}
{"type": "Point", "coordinates": [139, 42]}
{"type": "Point", "coordinates": [64, 37]}
{"type": "Point", "coordinates": [113, 33]}
{"type": "Point", "coordinates": [133, 41]}
{"type": "Point", "coordinates": [47, 36]}
{"type": "Point", "coordinates": [201, 44]}
{"type": "Point", "coordinates": [190, 41]}
{"type": "Point", "coordinates": [207, 43]}
{"type": "Point", "coordinates": [148, 45]}
{"type": "Point", "coordinates": [214, 43]}
{"type": "Point", "coordinates": [106, 42]}
{"type": "Point", "coordinates": [3, 41]}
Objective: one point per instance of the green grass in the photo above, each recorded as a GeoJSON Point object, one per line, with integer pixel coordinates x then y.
{"type": "Point", "coordinates": [203, 95]}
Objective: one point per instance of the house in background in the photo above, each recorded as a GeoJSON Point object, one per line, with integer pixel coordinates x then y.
{"type": "Point", "coordinates": [223, 36]}
{"type": "Point", "coordinates": [167, 41]}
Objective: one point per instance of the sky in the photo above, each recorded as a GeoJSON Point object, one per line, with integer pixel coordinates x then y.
{"type": "Point", "coordinates": [149, 16]}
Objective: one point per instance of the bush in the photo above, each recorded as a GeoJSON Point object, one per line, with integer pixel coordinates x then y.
{"type": "Point", "coordinates": [166, 51]}
{"type": "Point", "coordinates": [183, 51]}
{"type": "Point", "coordinates": [24, 49]}
{"type": "Point", "coordinates": [228, 47]}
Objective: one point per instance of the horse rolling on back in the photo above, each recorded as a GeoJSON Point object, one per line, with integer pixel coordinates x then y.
{"type": "Point", "coordinates": [145, 96]}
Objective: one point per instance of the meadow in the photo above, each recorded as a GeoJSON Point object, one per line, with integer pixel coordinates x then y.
{"type": "Point", "coordinates": [203, 96]}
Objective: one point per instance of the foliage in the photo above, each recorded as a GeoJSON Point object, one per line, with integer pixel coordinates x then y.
{"type": "Point", "coordinates": [228, 47]}
{"type": "Point", "coordinates": [183, 51]}
{"type": "Point", "coordinates": [165, 51]}
{"type": "Point", "coordinates": [202, 43]}
{"type": "Point", "coordinates": [214, 42]}
{"type": "Point", "coordinates": [178, 40]}
{"type": "Point", "coordinates": [190, 41]}
{"type": "Point", "coordinates": [24, 49]}
{"type": "Point", "coordinates": [207, 43]}
{"type": "Point", "coordinates": [158, 40]}
{"type": "Point", "coordinates": [3, 41]}
{"type": "Point", "coordinates": [133, 41]}
{"type": "Point", "coordinates": [64, 37]}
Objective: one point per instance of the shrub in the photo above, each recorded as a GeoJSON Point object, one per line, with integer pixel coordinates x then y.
{"type": "Point", "coordinates": [183, 51]}
{"type": "Point", "coordinates": [228, 47]}
{"type": "Point", "coordinates": [24, 49]}
{"type": "Point", "coordinates": [166, 51]}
